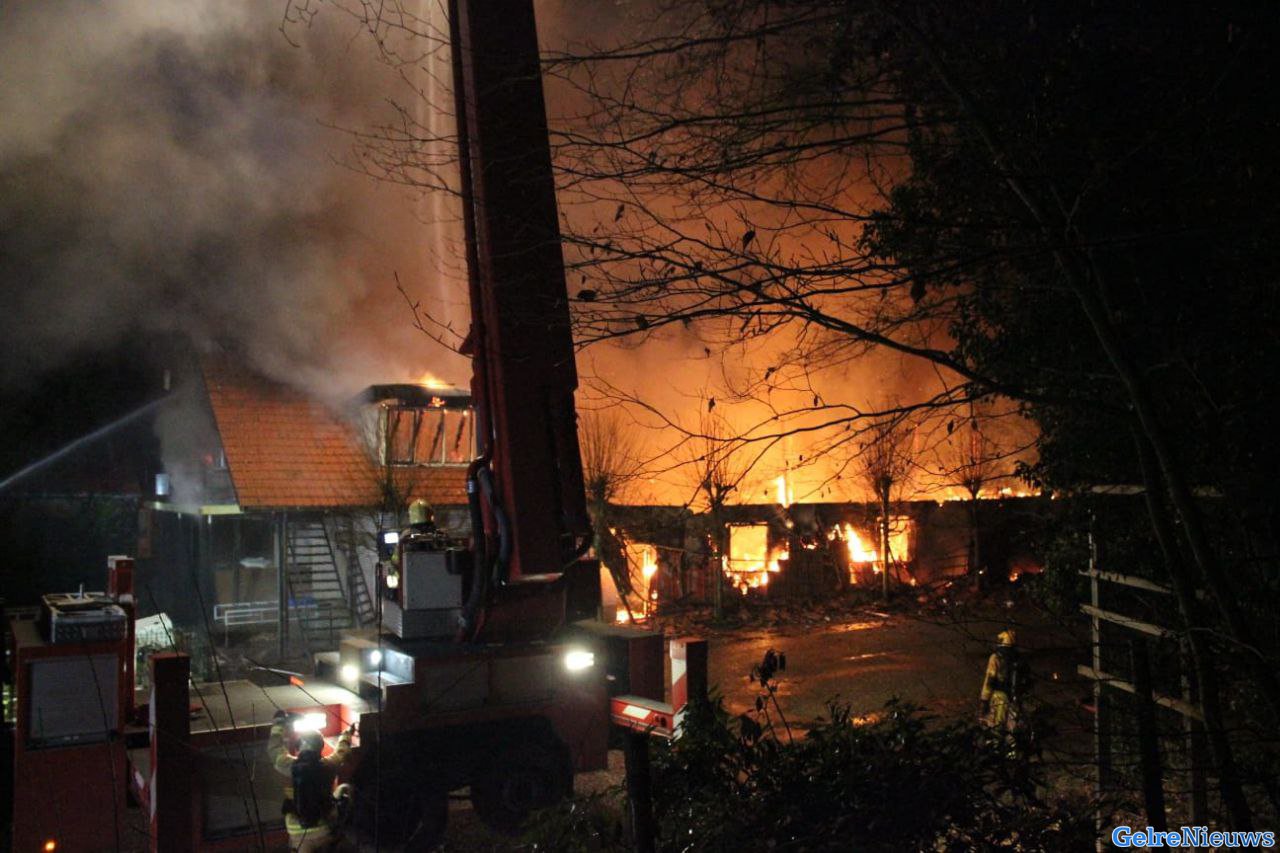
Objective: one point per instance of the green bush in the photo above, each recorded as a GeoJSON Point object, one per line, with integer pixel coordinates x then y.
{"type": "Point", "coordinates": [902, 782]}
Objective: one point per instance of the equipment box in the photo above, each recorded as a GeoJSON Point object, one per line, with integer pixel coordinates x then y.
{"type": "Point", "coordinates": [82, 618]}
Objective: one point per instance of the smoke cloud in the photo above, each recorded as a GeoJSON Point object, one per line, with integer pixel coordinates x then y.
{"type": "Point", "coordinates": [173, 167]}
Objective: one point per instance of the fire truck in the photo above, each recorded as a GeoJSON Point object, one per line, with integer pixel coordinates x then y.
{"type": "Point", "coordinates": [487, 672]}
{"type": "Point", "coordinates": [489, 669]}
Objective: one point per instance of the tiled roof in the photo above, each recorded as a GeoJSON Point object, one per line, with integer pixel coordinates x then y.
{"type": "Point", "coordinates": [287, 451]}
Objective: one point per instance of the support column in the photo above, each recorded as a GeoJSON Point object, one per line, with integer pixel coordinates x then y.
{"type": "Point", "coordinates": [170, 786]}
{"type": "Point", "coordinates": [639, 790]}
{"type": "Point", "coordinates": [282, 585]}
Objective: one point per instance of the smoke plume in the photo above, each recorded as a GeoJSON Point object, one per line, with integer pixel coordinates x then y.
{"type": "Point", "coordinates": [175, 168]}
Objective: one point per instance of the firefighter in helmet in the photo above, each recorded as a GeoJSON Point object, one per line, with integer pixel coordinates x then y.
{"type": "Point", "coordinates": [422, 523]}
{"type": "Point", "coordinates": [1000, 684]}
{"type": "Point", "coordinates": [422, 518]}
{"type": "Point", "coordinates": [311, 804]}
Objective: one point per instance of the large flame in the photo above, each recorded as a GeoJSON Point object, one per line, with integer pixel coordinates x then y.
{"type": "Point", "coordinates": [785, 495]}
{"type": "Point", "coordinates": [859, 551]}
{"type": "Point", "coordinates": [751, 561]}
{"type": "Point", "coordinates": [648, 561]}
{"type": "Point", "coordinates": [863, 556]}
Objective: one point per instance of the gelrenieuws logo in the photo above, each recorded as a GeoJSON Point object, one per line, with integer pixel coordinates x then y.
{"type": "Point", "coordinates": [1189, 836]}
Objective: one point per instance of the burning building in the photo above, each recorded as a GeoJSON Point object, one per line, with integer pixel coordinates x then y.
{"type": "Point", "coordinates": [271, 500]}
{"type": "Point", "coordinates": [813, 550]}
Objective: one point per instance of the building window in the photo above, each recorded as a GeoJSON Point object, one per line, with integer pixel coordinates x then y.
{"type": "Point", "coordinates": [434, 435]}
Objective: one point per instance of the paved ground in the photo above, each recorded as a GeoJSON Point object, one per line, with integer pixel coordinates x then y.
{"type": "Point", "coordinates": [865, 661]}
{"type": "Point", "coordinates": [937, 662]}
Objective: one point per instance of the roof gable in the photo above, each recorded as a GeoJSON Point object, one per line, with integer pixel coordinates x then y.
{"type": "Point", "coordinates": [285, 450]}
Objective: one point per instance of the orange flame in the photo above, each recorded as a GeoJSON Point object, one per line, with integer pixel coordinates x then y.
{"type": "Point", "coordinates": [645, 558]}
{"type": "Point", "coordinates": [862, 555]}
{"type": "Point", "coordinates": [785, 495]}
{"type": "Point", "coordinates": [751, 560]}
{"type": "Point", "coordinates": [859, 552]}
{"type": "Point", "coordinates": [432, 382]}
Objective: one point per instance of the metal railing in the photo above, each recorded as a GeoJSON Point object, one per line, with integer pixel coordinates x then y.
{"type": "Point", "coordinates": [241, 614]}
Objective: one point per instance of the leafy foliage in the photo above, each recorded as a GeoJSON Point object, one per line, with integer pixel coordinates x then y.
{"type": "Point", "coordinates": [902, 781]}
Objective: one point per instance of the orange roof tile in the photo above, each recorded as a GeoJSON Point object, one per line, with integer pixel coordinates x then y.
{"type": "Point", "coordinates": [287, 451]}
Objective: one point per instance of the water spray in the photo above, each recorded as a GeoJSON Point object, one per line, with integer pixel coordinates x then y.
{"type": "Point", "coordinates": [82, 441]}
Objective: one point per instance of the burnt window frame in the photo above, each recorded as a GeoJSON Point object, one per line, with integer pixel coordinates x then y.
{"type": "Point", "coordinates": [435, 419]}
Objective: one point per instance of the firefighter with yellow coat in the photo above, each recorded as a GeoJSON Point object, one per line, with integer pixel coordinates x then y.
{"type": "Point", "coordinates": [311, 803]}
{"type": "Point", "coordinates": [1000, 685]}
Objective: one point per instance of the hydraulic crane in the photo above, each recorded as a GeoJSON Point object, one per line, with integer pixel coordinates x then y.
{"type": "Point", "coordinates": [489, 672]}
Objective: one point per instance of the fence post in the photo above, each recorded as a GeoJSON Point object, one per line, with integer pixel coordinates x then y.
{"type": "Point", "coordinates": [1197, 747]}
{"type": "Point", "coordinates": [1101, 702]}
{"type": "Point", "coordinates": [1148, 738]}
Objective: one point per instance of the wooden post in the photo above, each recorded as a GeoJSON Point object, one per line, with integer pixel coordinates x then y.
{"type": "Point", "coordinates": [1148, 738]}
{"type": "Point", "coordinates": [172, 827]}
{"type": "Point", "coordinates": [1101, 702]}
{"type": "Point", "coordinates": [639, 790]}
{"type": "Point", "coordinates": [1197, 748]}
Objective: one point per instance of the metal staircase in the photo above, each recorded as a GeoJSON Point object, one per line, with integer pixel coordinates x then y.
{"type": "Point", "coordinates": [348, 542]}
{"type": "Point", "coordinates": [320, 605]}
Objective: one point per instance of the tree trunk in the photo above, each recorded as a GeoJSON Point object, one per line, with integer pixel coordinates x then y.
{"type": "Point", "coordinates": [975, 557]}
{"type": "Point", "coordinates": [717, 562]}
{"type": "Point", "coordinates": [884, 543]}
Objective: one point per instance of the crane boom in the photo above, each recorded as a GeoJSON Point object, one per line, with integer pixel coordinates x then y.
{"type": "Point", "coordinates": [529, 476]}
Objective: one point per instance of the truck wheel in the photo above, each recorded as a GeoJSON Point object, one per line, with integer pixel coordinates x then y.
{"type": "Point", "coordinates": [414, 819]}
{"type": "Point", "coordinates": [522, 778]}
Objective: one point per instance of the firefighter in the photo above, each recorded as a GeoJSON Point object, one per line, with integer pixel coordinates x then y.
{"type": "Point", "coordinates": [311, 804]}
{"type": "Point", "coordinates": [1000, 684]}
{"type": "Point", "coordinates": [422, 518]}
{"type": "Point", "coordinates": [422, 523]}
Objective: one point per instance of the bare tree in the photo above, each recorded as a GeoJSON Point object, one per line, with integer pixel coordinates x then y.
{"type": "Point", "coordinates": [977, 467]}
{"type": "Point", "coordinates": [887, 463]}
{"type": "Point", "coordinates": [718, 466]}
{"type": "Point", "coordinates": [610, 460]}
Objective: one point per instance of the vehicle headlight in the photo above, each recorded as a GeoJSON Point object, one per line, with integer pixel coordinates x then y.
{"type": "Point", "coordinates": [350, 673]}
{"type": "Point", "coordinates": [576, 660]}
{"type": "Point", "coordinates": [313, 722]}
{"type": "Point", "coordinates": [375, 658]}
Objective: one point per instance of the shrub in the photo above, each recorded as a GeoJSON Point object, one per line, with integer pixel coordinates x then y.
{"type": "Point", "coordinates": [902, 782]}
